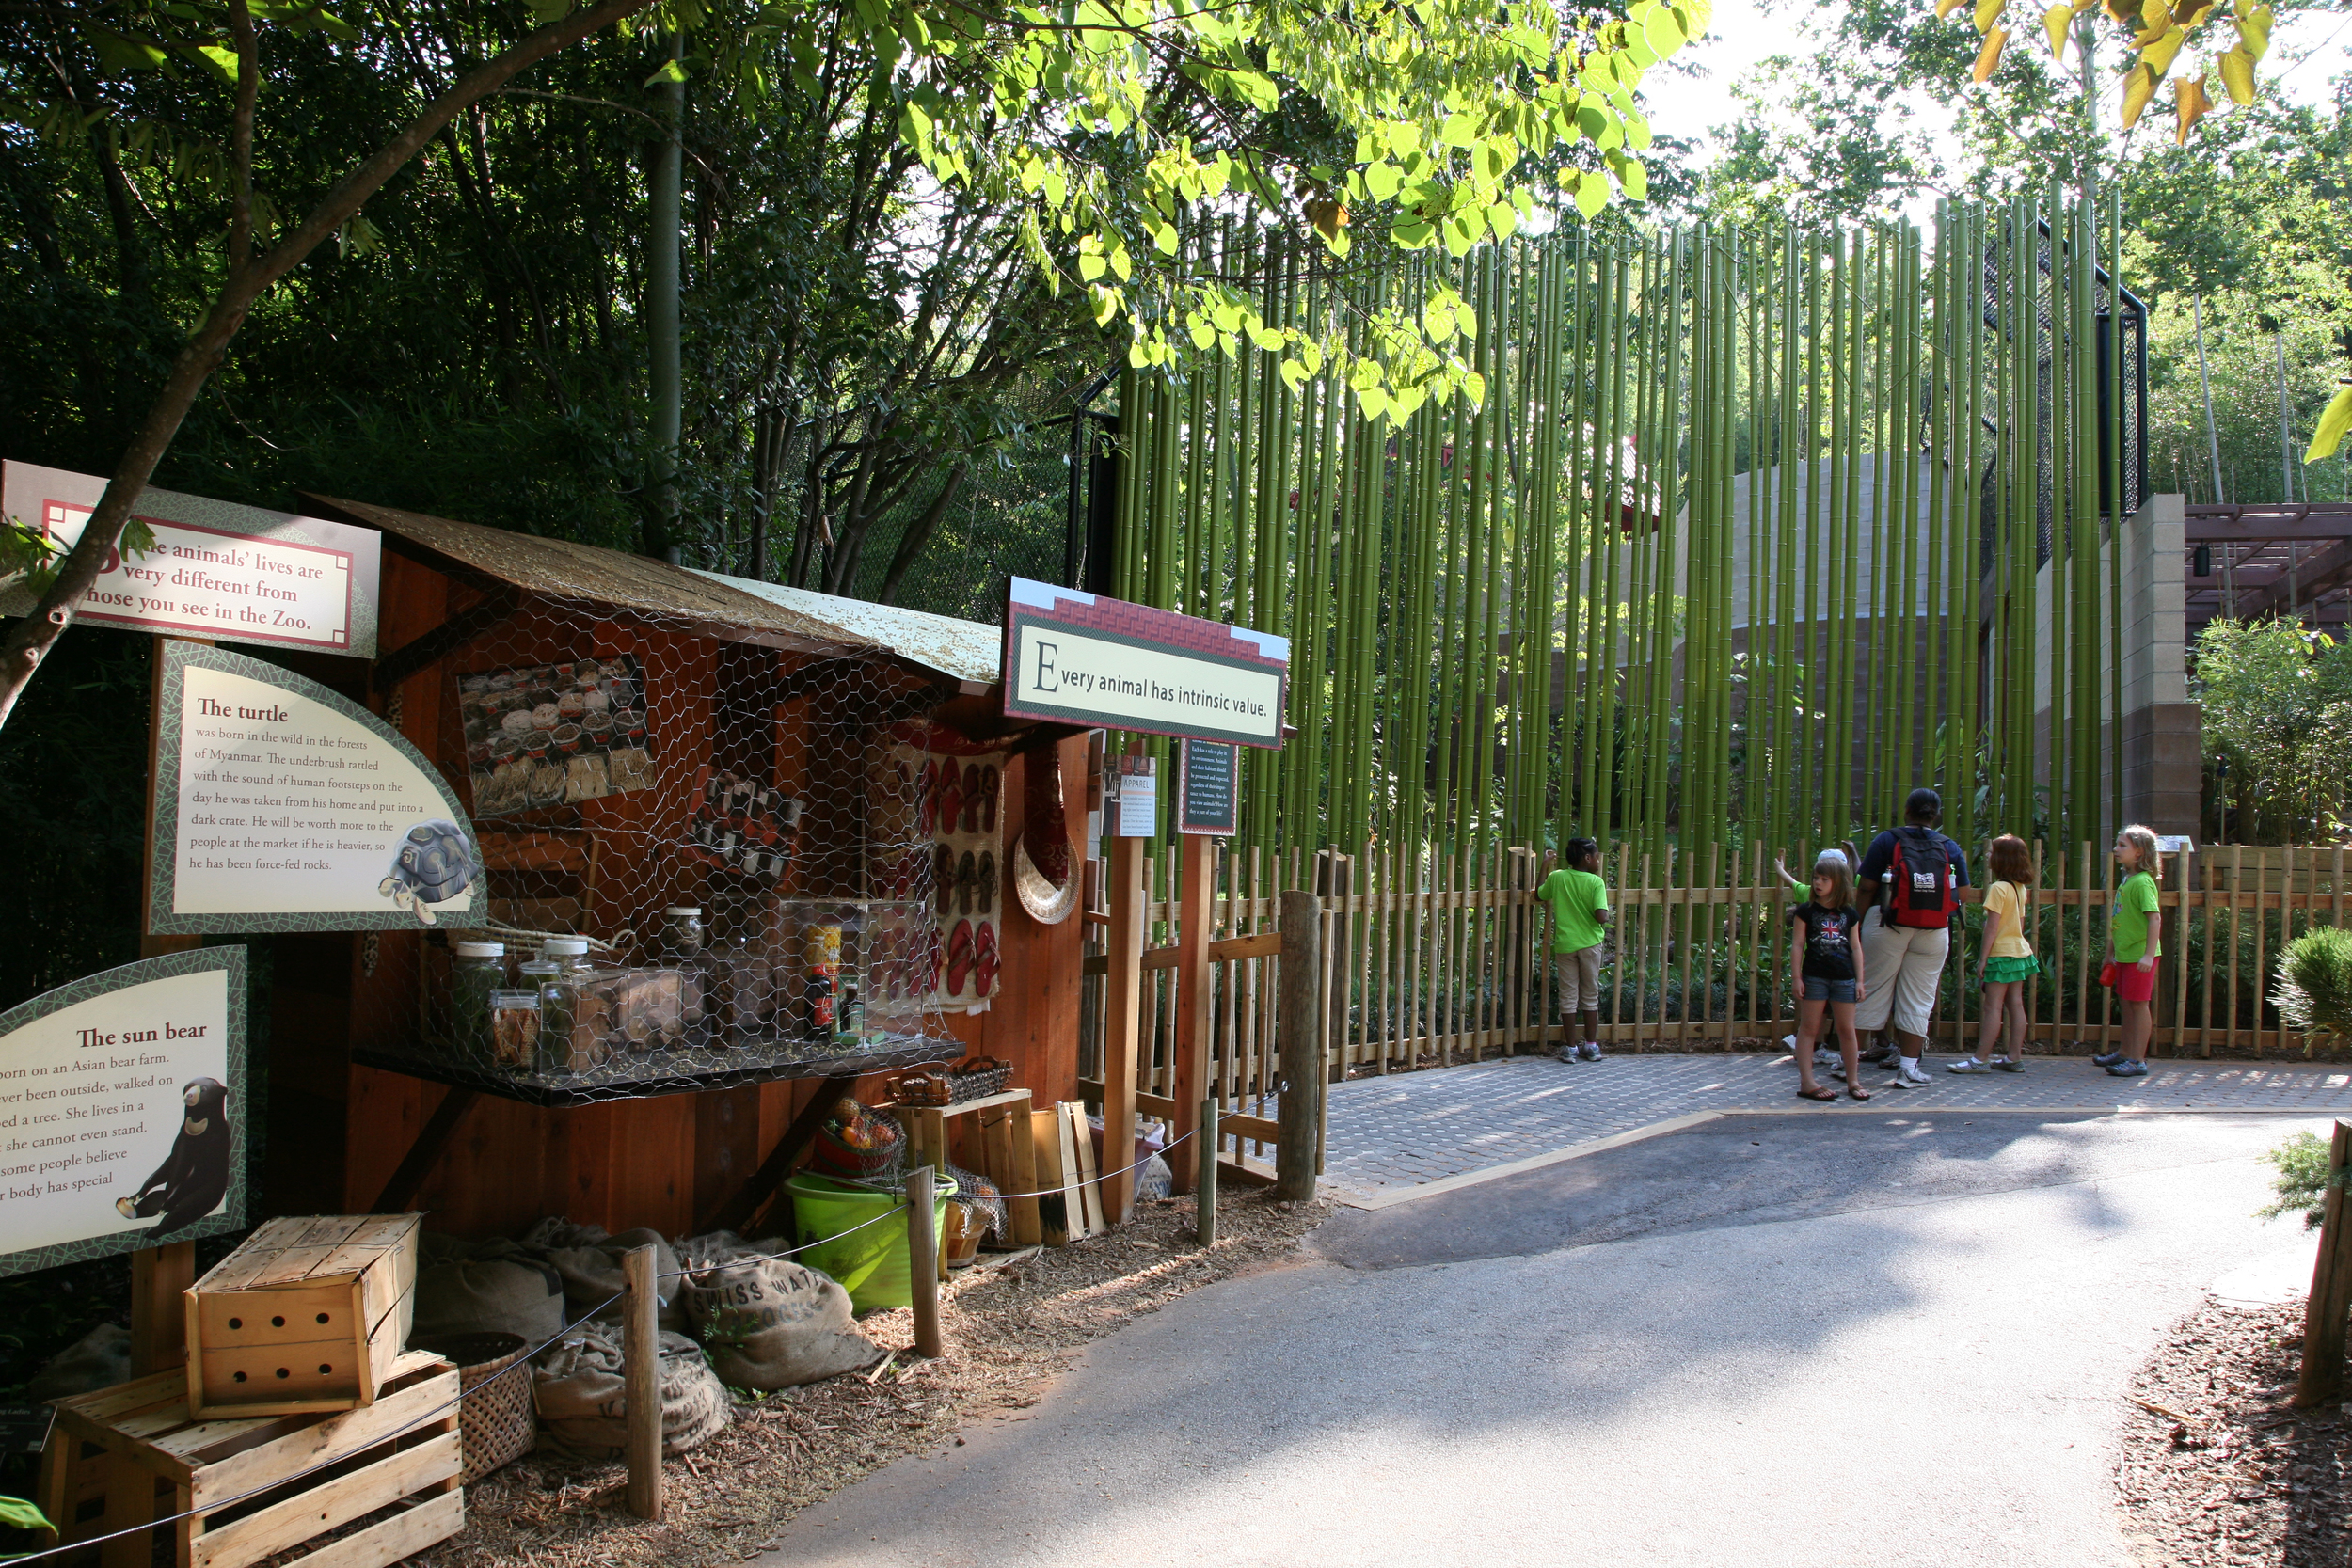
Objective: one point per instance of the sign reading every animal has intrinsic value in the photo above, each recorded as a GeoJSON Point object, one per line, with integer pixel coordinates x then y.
{"type": "Point", "coordinates": [1081, 658]}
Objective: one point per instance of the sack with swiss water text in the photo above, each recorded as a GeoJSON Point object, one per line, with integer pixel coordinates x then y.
{"type": "Point", "coordinates": [766, 1322]}
{"type": "Point", "coordinates": [583, 1397]}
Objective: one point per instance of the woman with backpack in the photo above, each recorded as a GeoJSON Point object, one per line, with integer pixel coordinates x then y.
{"type": "Point", "coordinates": [1907, 933]}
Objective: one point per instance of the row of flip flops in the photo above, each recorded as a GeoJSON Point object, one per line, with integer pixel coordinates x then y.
{"type": "Point", "coordinates": [958, 799]}
{"type": "Point", "coordinates": [965, 882]}
{"type": "Point", "coordinates": [970, 956]}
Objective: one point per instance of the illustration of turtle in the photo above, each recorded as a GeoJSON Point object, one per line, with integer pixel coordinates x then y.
{"type": "Point", "coordinates": [435, 865]}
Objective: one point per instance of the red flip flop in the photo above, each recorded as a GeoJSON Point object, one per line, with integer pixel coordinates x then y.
{"type": "Point", "coordinates": [984, 963]}
{"type": "Point", "coordinates": [929, 812]}
{"type": "Point", "coordinates": [990, 786]}
{"type": "Point", "coordinates": [970, 797]}
{"type": "Point", "coordinates": [959, 958]}
{"type": "Point", "coordinates": [942, 878]}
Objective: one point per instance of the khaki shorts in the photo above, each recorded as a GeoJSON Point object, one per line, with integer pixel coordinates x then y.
{"type": "Point", "coordinates": [1579, 977]}
{"type": "Point", "coordinates": [1902, 965]}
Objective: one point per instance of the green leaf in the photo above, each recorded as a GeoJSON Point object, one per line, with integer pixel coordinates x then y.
{"type": "Point", "coordinates": [672, 71]}
{"type": "Point", "coordinates": [123, 52]}
{"type": "Point", "coordinates": [1413, 237]}
{"type": "Point", "coordinates": [1294, 375]}
{"type": "Point", "coordinates": [222, 60]}
{"type": "Point", "coordinates": [1091, 266]}
{"type": "Point", "coordinates": [2333, 427]}
{"type": "Point", "coordinates": [1384, 179]}
{"type": "Point", "coordinates": [1591, 195]}
{"type": "Point", "coordinates": [21, 1515]}
{"type": "Point", "coordinates": [1663, 31]}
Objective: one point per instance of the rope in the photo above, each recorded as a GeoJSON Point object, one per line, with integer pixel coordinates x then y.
{"type": "Point", "coordinates": [524, 1360]}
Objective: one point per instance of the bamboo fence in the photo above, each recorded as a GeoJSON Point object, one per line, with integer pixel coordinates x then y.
{"type": "Point", "coordinates": [1752, 531]}
{"type": "Point", "coordinates": [1440, 961]}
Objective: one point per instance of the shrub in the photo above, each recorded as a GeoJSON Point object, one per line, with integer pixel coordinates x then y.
{"type": "Point", "coordinates": [2315, 990]}
{"type": "Point", "coordinates": [2301, 1184]}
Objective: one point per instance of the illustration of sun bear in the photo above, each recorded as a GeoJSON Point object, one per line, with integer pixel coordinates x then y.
{"type": "Point", "coordinates": [191, 1182]}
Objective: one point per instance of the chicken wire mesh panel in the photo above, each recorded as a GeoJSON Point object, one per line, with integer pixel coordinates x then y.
{"type": "Point", "coordinates": [706, 863]}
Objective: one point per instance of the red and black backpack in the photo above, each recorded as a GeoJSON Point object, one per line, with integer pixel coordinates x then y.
{"type": "Point", "coordinates": [1920, 880]}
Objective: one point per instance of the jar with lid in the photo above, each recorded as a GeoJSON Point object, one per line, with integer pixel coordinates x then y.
{"type": "Point", "coordinates": [557, 995]}
{"type": "Point", "coordinates": [478, 969]}
{"type": "Point", "coordinates": [514, 1027]}
{"type": "Point", "coordinates": [569, 954]}
{"type": "Point", "coordinates": [681, 934]}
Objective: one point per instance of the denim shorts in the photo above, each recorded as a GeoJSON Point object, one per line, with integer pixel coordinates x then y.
{"type": "Point", "coordinates": [1819, 989]}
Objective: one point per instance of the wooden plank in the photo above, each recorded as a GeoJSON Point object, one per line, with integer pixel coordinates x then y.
{"type": "Point", "coordinates": [337, 1437]}
{"type": "Point", "coordinates": [1090, 1185]}
{"type": "Point", "coordinates": [736, 1213]}
{"type": "Point", "coordinates": [130, 1504]}
{"type": "Point", "coordinates": [1045, 1129]}
{"type": "Point", "coordinates": [1123, 1001]}
{"type": "Point", "coordinates": [159, 1276]}
{"type": "Point", "coordinates": [1194, 1019]}
{"type": "Point", "coordinates": [2320, 1375]}
{"type": "Point", "coordinates": [407, 1179]}
{"type": "Point", "coordinates": [328, 1506]}
{"type": "Point", "coordinates": [1006, 1129]}
{"type": "Point", "coordinates": [401, 1536]}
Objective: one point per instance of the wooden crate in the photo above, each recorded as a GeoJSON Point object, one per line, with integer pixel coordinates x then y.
{"type": "Point", "coordinates": [257, 1487]}
{"type": "Point", "coordinates": [308, 1315]}
{"type": "Point", "coordinates": [990, 1148]}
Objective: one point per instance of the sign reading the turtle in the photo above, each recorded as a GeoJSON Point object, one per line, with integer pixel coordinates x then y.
{"type": "Point", "coordinates": [1207, 798]}
{"type": "Point", "coordinates": [122, 1111]}
{"type": "Point", "coordinates": [281, 806]}
{"type": "Point", "coordinates": [238, 573]}
{"type": "Point", "coordinates": [1081, 658]}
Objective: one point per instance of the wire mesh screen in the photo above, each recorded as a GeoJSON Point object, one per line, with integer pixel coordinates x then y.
{"type": "Point", "coordinates": [707, 862]}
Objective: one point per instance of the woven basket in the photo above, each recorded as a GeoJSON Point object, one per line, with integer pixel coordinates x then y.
{"type": "Point", "coordinates": [978, 1079]}
{"type": "Point", "coordinates": [495, 1421]}
{"type": "Point", "coordinates": [829, 1156]}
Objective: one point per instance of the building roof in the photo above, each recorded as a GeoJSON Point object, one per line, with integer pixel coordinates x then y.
{"type": "Point", "coordinates": [971, 651]}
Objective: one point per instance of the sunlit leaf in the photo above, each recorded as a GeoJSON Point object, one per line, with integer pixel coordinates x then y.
{"type": "Point", "coordinates": [2334, 425]}
{"type": "Point", "coordinates": [2139, 88]}
{"type": "Point", "coordinates": [1989, 58]}
{"type": "Point", "coordinates": [2238, 74]}
{"type": "Point", "coordinates": [2056, 22]}
{"type": "Point", "coordinates": [2190, 105]}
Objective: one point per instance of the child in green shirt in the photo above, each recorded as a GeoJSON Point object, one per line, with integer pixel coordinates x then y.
{"type": "Point", "coordinates": [2135, 943]}
{"type": "Point", "coordinates": [1580, 917]}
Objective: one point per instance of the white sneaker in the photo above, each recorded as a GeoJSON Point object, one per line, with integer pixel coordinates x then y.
{"type": "Point", "coordinates": [1909, 1078]}
{"type": "Point", "coordinates": [1592, 1051]}
{"type": "Point", "coordinates": [1967, 1064]}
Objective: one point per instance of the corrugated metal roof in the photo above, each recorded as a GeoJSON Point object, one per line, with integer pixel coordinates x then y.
{"type": "Point", "coordinates": [655, 590]}
{"type": "Point", "coordinates": [971, 651]}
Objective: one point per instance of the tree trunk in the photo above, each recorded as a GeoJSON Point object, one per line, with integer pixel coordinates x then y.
{"type": "Point", "coordinates": [920, 532]}
{"type": "Point", "coordinates": [29, 641]}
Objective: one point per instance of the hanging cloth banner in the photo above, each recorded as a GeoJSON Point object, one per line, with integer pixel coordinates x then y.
{"type": "Point", "coordinates": [122, 1111]}
{"type": "Point", "coordinates": [237, 573]}
{"type": "Point", "coordinates": [1081, 658]}
{"type": "Point", "coordinates": [281, 806]}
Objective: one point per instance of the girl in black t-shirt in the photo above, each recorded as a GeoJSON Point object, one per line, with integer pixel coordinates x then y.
{"type": "Point", "coordinates": [1825, 970]}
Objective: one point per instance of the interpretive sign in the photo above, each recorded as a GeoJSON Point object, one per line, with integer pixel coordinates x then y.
{"type": "Point", "coordinates": [239, 574]}
{"type": "Point", "coordinates": [122, 1111]}
{"type": "Point", "coordinates": [281, 806]}
{"type": "Point", "coordinates": [1081, 658]}
{"type": "Point", "coordinates": [1131, 797]}
{"type": "Point", "coordinates": [1208, 798]}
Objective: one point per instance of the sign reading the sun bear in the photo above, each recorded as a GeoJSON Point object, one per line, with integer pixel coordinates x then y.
{"type": "Point", "coordinates": [122, 1111]}
{"type": "Point", "coordinates": [283, 806]}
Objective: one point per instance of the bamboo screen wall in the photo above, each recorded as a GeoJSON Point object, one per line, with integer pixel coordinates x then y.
{"type": "Point", "coordinates": [1748, 536]}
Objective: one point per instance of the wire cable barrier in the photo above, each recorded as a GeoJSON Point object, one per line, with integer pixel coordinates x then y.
{"type": "Point", "coordinates": [441, 1410]}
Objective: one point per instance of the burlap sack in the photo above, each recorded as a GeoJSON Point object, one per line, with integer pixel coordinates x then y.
{"type": "Point", "coordinates": [582, 1398]}
{"type": "Point", "coordinates": [589, 1262]}
{"type": "Point", "coordinates": [770, 1323]}
{"type": "Point", "coordinates": [500, 1295]}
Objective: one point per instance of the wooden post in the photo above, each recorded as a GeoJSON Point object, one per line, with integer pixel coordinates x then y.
{"type": "Point", "coordinates": [1195, 1017]}
{"type": "Point", "coordinates": [2321, 1376]}
{"type": "Point", "coordinates": [160, 1276]}
{"type": "Point", "coordinates": [1300, 1024]}
{"type": "Point", "coordinates": [1335, 879]}
{"type": "Point", "coordinates": [640, 1374]}
{"type": "Point", "coordinates": [1123, 1004]}
{"type": "Point", "coordinates": [923, 1260]}
{"type": "Point", "coordinates": [1204, 1209]}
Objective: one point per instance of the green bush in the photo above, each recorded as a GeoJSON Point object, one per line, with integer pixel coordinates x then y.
{"type": "Point", "coordinates": [2315, 990]}
{"type": "Point", "coordinates": [2301, 1184]}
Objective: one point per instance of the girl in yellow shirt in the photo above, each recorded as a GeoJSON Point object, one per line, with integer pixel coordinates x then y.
{"type": "Point", "coordinates": [2006, 960]}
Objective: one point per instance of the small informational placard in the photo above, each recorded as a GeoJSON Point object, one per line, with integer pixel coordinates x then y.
{"type": "Point", "coordinates": [1208, 787]}
{"type": "Point", "coordinates": [122, 1111]}
{"type": "Point", "coordinates": [1081, 658]}
{"type": "Point", "coordinates": [240, 574]}
{"type": "Point", "coordinates": [1131, 797]}
{"type": "Point", "coordinates": [2173, 844]}
{"type": "Point", "coordinates": [282, 806]}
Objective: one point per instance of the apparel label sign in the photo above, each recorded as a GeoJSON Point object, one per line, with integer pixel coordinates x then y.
{"type": "Point", "coordinates": [122, 1111]}
{"type": "Point", "coordinates": [282, 806]}
{"type": "Point", "coordinates": [1080, 658]}
{"type": "Point", "coordinates": [238, 573]}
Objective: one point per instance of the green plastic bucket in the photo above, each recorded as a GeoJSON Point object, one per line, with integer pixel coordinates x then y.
{"type": "Point", "coordinates": [870, 1263]}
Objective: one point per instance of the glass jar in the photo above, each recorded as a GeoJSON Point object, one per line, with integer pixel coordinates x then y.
{"type": "Point", "coordinates": [514, 1038]}
{"type": "Point", "coordinates": [681, 934]}
{"type": "Point", "coordinates": [559, 1000]}
{"type": "Point", "coordinates": [478, 969]}
{"type": "Point", "coordinates": [746, 990]}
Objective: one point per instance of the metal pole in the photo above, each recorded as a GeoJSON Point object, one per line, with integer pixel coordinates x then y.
{"type": "Point", "coordinates": [661, 303]}
{"type": "Point", "coordinates": [1204, 1207]}
{"type": "Point", "coordinates": [2212, 437]}
{"type": "Point", "coordinates": [641, 1378]}
{"type": "Point", "coordinates": [923, 1260]}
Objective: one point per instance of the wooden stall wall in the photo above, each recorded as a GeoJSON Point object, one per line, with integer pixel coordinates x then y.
{"type": "Point", "coordinates": [668, 1163]}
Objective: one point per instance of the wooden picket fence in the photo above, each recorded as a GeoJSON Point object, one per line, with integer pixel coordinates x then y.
{"type": "Point", "coordinates": [1433, 959]}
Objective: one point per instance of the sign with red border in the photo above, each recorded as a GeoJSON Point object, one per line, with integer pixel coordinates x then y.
{"type": "Point", "coordinates": [1074, 658]}
{"type": "Point", "coordinates": [235, 574]}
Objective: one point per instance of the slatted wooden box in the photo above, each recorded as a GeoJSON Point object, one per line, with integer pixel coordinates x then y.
{"type": "Point", "coordinates": [252, 1488]}
{"type": "Point", "coordinates": [308, 1315]}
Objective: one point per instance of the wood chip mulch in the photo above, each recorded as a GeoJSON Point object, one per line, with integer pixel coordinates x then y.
{"type": "Point", "coordinates": [2216, 1469]}
{"type": "Point", "coordinates": [1009, 1328]}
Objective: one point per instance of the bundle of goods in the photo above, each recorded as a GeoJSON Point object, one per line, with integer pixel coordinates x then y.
{"type": "Point", "coordinates": [767, 1322]}
{"type": "Point", "coordinates": [741, 825]}
{"type": "Point", "coordinates": [976, 1212]}
{"type": "Point", "coordinates": [857, 1141]}
{"type": "Point", "coordinates": [582, 1398]}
